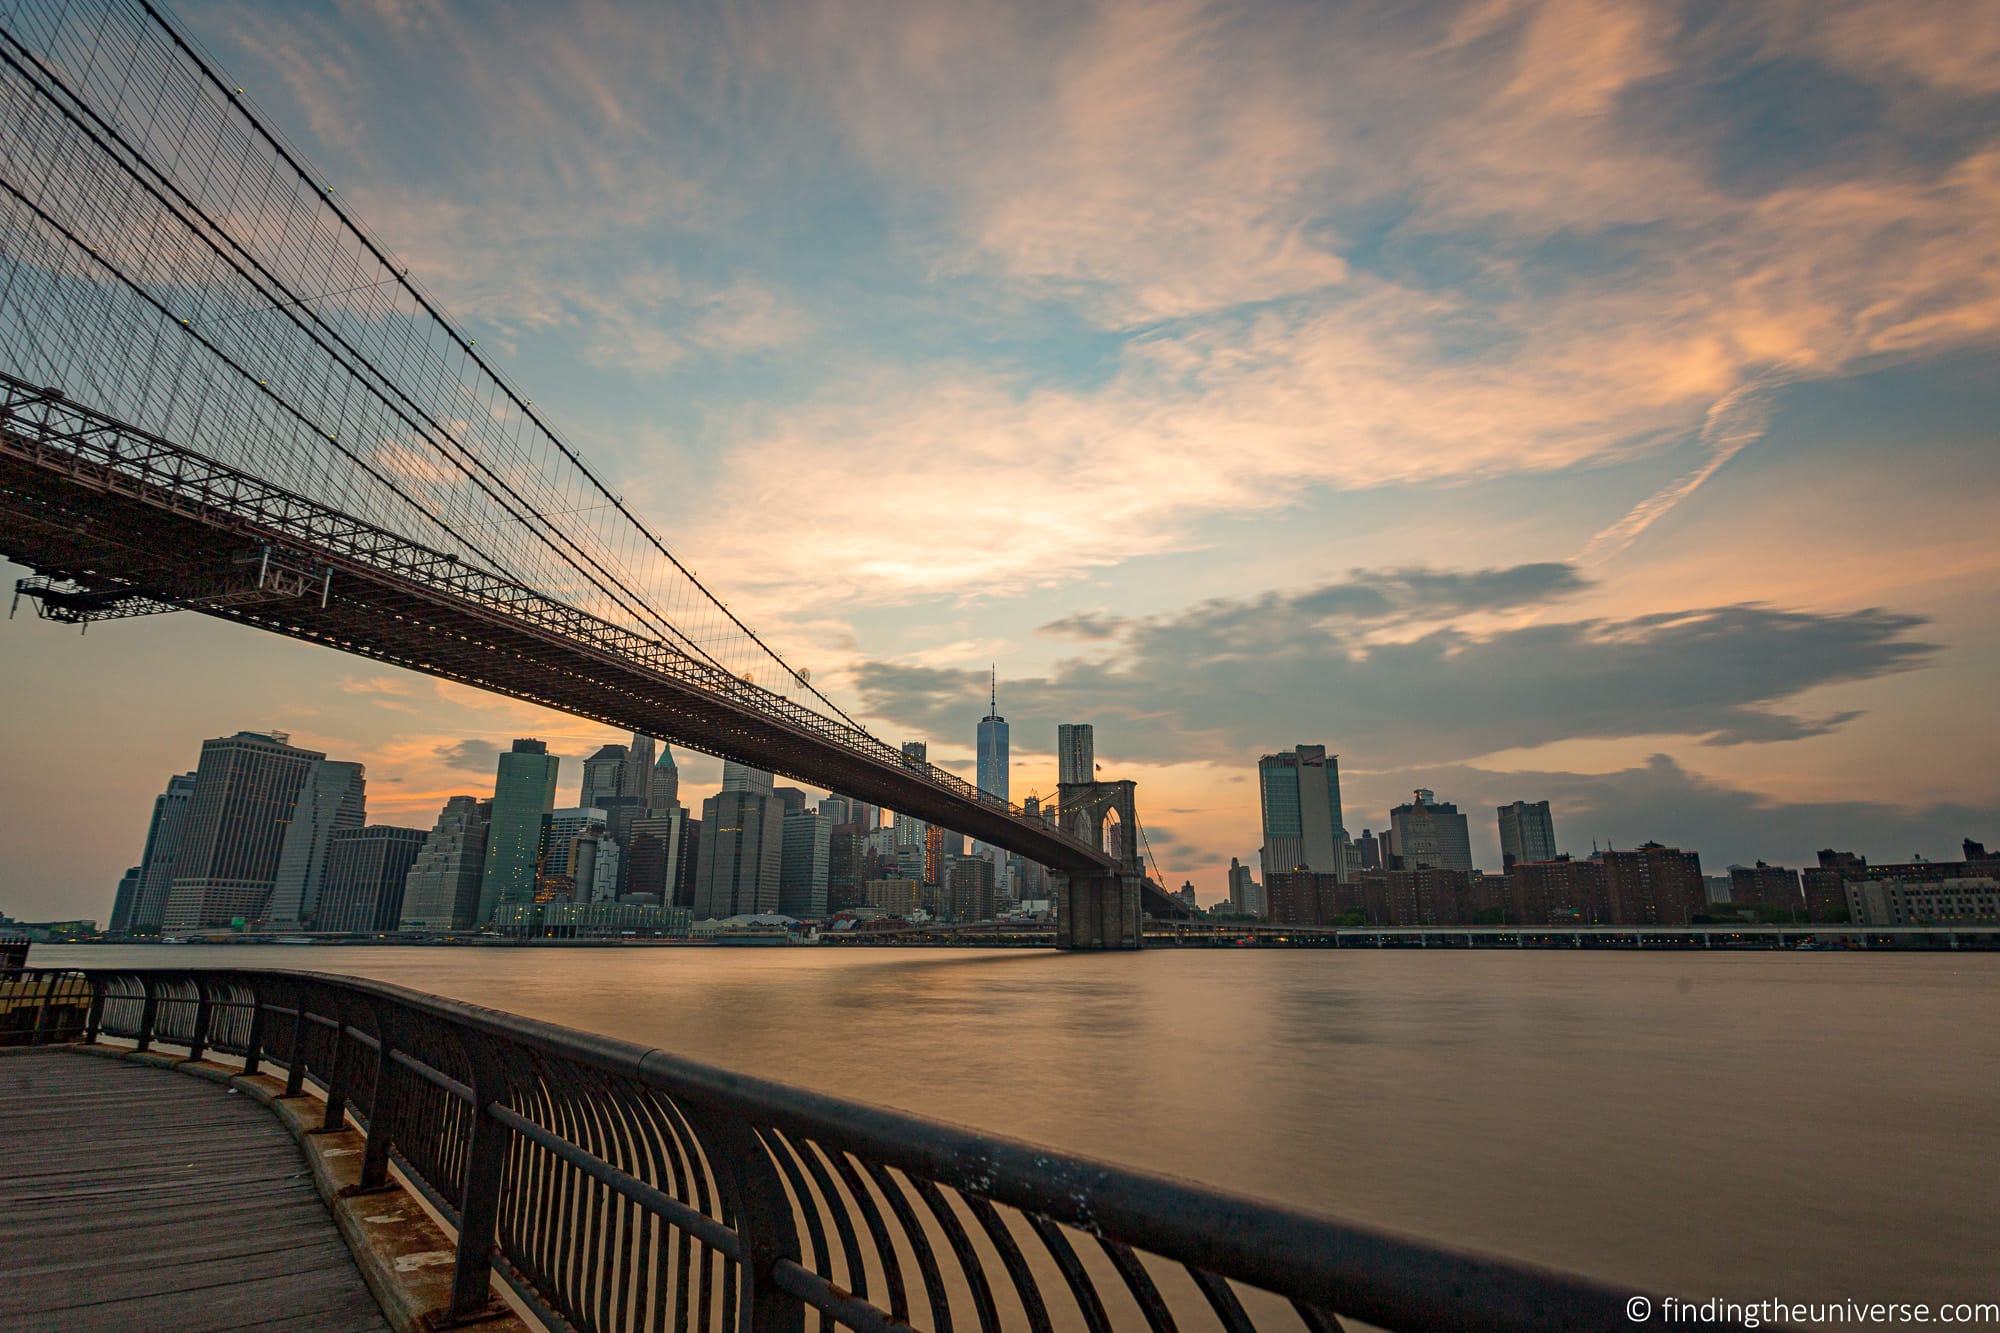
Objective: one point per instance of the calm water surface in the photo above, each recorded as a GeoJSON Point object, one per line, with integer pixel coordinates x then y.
{"type": "Point", "coordinates": [1802, 1126]}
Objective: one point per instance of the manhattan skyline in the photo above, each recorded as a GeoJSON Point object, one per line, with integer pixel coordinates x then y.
{"type": "Point", "coordinates": [1614, 431]}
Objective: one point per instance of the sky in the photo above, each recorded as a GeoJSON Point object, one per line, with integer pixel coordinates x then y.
{"type": "Point", "coordinates": [1564, 400]}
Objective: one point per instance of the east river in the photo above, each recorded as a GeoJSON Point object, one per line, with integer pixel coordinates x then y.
{"type": "Point", "coordinates": [1801, 1126]}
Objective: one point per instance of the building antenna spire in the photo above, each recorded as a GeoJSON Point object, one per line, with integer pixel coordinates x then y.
{"type": "Point", "coordinates": [993, 702]}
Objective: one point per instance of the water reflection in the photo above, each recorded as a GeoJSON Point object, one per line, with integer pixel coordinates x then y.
{"type": "Point", "coordinates": [1812, 1127]}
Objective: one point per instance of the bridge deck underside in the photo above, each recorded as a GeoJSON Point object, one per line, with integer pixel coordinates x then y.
{"type": "Point", "coordinates": [65, 515]}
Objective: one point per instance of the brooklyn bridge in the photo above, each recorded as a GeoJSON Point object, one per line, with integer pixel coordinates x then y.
{"type": "Point", "coordinates": [221, 393]}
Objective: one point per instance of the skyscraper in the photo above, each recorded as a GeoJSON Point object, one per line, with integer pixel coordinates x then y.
{"type": "Point", "coordinates": [559, 877]}
{"type": "Point", "coordinates": [1430, 834]}
{"type": "Point", "coordinates": [742, 852]}
{"type": "Point", "coordinates": [595, 862]}
{"type": "Point", "coordinates": [969, 893]}
{"type": "Point", "coordinates": [245, 789]}
{"type": "Point", "coordinates": [659, 860]}
{"type": "Point", "coordinates": [1031, 878]}
{"type": "Point", "coordinates": [639, 771]}
{"type": "Point", "coordinates": [846, 866]}
{"type": "Point", "coordinates": [664, 793]}
{"type": "Point", "coordinates": [156, 864]}
{"type": "Point", "coordinates": [442, 892]}
{"type": "Point", "coordinates": [992, 768]}
{"type": "Point", "coordinates": [524, 790]}
{"type": "Point", "coordinates": [123, 901]}
{"type": "Point", "coordinates": [742, 777]}
{"type": "Point", "coordinates": [334, 797]}
{"type": "Point", "coordinates": [805, 866]}
{"type": "Point", "coordinates": [620, 813]}
{"type": "Point", "coordinates": [1076, 752]}
{"type": "Point", "coordinates": [1299, 791]}
{"type": "Point", "coordinates": [1527, 833]}
{"type": "Point", "coordinates": [937, 854]}
{"type": "Point", "coordinates": [909, 830]}
{"type": "Point", "coordinates": [605, 774]}
{"type": "Point", "coordinates": [367, 870]}
{"type": "Point", "coordinates": [1240, 887]}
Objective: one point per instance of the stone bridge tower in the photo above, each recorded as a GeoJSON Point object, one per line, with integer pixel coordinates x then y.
{"type": "Point", "coordinates": [1097, 912]}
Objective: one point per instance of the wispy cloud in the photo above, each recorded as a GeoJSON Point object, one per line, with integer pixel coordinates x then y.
{"type": "Point", "coordinates": [1735, 421]}
{"type": "Point", "coordinates": [1343, 246]}
{"type": "Point", "coordinates": [1525, 262]}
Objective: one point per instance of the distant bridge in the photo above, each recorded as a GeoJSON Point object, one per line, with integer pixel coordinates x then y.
{"type": "Point", "coordinates": [220, 393]}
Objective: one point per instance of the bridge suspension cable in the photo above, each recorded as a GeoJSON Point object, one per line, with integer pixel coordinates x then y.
{"type": "Point", "coordinates": [233, 301]}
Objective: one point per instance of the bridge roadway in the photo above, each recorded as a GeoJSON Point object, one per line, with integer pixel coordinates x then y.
{"type": "Point", "coordinates": [133, 521]}
{"type": "Point", "coordinates": [138, 1198]}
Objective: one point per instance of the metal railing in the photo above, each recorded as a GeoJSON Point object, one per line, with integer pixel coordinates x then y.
{"type": "Point", "coordinates": [617, 1187]}
{"type": "Point", "coordinates": [43, 1006]}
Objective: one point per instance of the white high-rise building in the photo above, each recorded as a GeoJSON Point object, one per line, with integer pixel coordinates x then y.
{"type": "Point", "coordinates": [594, 863]}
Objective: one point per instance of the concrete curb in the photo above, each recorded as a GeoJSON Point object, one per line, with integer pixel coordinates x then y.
{"type": "Point", "coordinates": [403, 1254]}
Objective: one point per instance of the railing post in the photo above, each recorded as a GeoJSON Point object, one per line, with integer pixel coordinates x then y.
{"type": "Point", "coordinates": [149, 1010]}
{"type": "Point", "coordinates": [375, 1159]}
{"type": "Point", "coordinates": [479, 1207]}
{"type": "Point", "coordinates": [336, 1074]}
{"type": "Point", "coordinates": [41, 1034]}
{"type": "Point", "coordinates": [203, 1011]}
{"type": "Point", "coordinates": [764, 1221]}
{"type": "Point", "coordinates": [253, 1045]}
{"type": "Point", "coordinates": [295, 1072]}
{"type": "Point", "coordinates": [93, 1021]}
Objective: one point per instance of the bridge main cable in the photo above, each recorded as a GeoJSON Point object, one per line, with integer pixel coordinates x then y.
{"type": "Point", "coordinates": [544, 529]}
{"type": "Point", "coordinates": [400, 274]}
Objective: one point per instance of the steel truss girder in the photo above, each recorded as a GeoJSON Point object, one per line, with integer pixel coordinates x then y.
{"type": "Point", "coordinates": [92, 499]}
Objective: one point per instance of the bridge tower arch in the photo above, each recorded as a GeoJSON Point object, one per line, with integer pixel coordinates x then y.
{"type": "Point", "coordinates": [1101, 911]}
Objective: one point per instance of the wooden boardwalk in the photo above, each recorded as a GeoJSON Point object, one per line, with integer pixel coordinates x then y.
{"type": "Point", "coordinates": [134, 1198]}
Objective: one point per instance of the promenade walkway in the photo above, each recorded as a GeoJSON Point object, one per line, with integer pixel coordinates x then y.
{"type": "Point", "coordinates": [136, 1198]}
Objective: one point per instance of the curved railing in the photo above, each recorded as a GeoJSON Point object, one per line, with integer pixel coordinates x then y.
{"type": "Point", "coordinates": [617, 1187]}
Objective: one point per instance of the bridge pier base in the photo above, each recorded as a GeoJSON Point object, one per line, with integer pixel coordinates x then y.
{"type": "Point", "coordinates": [1097, 913]}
